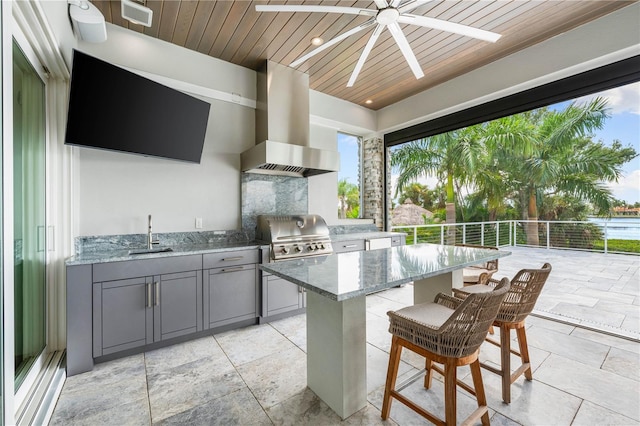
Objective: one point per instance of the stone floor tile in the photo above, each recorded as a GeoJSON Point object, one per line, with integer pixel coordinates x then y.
{"type": "Point", "coordinates": [293, 328]}
{"type": "Point", "coordinates": [592, 384]}
{"type": "Point", "coordinates": [108, 385]}
{"type": "Point", "coordinates": [430, 399]}
{"type": "Point", "coordinates": [107, 373]}
{"type": "Point", "coordinates": [237, 408]}
{"type": "Point", "coordinates": [593, 315]}
{"type": "Point", "coordinates": [379, 305]}
{"type": "Point", "coordinates": [532, 402]}
{"type": "Point", "coordinates": [184, 353]}
{"type": "Point", "coordinates": [623, 363]}
{"type": "Point", "coordinates": [607, 339]}
{"type": "Point", "coordinates": [85, 412]}
{"type": "Point", "coordinates": [377, 365]}
{"type": "Point", "coordinates": [533, 320]}
{"type": "Point", "coordinates": [603, 295]}
{"type": "Point", "coordinates": [186, 386]}
{"type": "Point", "coordinates": [251, 343]}
{"type": "Point", "coordinates": [572, 347]}
{"type": "Point", "coordinates": [277, 377]}
{"type": "Point", "coordinates": [305, 408]}
{"type": "Point", "coordinates": [500, 420]}
{"type": "Point", "coordinates": [402, 295]}
{"type": "Point", "coordinates": [591, 414]}
{"type": "Point", "coordinates": [378, 332]}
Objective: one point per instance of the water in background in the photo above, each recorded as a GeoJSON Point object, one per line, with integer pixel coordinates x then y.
{"type": "Point", "coordinates": [619, 228]}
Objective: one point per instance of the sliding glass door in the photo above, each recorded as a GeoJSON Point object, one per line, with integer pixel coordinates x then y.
{"type": "Point", "coordinates": [29, 216]}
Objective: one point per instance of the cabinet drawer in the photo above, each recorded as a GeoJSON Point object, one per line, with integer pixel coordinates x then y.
{"type": "Point", "coordinates": [397, 241]}
{"type": "Point", "coordinates": [229, 258]}
{"type": "Point", "coordinates": [347, 246]}
{"type": "Point", "coordinates": [145, 267]}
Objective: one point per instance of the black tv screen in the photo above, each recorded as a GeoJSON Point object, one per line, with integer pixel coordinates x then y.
{"type": "Point", "coordinates": [112, 108]}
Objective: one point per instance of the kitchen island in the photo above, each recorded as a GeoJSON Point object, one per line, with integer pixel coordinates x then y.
{"type": "Point", "coordinates": [336, 317]}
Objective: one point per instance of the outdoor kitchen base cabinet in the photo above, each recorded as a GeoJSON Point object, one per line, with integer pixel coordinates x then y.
{"type": "Point", "coordinates": [134, 312]}
{"type": "Point", "coordinates": [280, 296]}
{"type": "Point", "coordinates": [230, 295]}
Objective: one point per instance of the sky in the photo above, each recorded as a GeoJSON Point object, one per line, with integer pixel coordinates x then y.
{"type": "Point", "coordinates": [623, 125]}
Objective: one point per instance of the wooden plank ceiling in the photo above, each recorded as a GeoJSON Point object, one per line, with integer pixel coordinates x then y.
{"type": "Point", "coordinates": [233, 31]}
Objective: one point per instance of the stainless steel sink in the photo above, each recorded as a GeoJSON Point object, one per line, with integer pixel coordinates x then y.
{"type": "Point", "coordinates": [151, 250]}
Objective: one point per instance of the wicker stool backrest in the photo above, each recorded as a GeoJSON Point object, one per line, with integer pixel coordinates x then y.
{"type": "Point", "coordinates": [463, 332]}
{"type": "Point", "coordinates": [526, 286]}
{"type": "Point", "coordinates": [491, 265]}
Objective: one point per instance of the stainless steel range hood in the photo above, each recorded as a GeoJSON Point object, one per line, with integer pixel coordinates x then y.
{"type": "Point", "coordinates": [282, 127]}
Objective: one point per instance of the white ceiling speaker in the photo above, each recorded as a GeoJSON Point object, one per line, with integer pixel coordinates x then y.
{"type": "Point", "coordinates": [88, 22]}
{"type": "Point", "coordinates": [136, 12]}
{"type": "Point", "coordinates": [388, 14]}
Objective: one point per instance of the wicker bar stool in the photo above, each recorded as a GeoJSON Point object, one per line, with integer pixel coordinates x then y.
{"type": "Point", "coordinates": [526, 286]}
{"type": "Point", "coordinates": [448, 331]}
{"type": "Point", "coordinates": [479, 274]}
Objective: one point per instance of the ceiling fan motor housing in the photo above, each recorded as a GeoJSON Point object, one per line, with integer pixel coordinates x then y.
{"type": "Point", "coordinates": [387, 16]}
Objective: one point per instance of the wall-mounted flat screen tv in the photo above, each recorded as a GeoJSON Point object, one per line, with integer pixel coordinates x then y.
{"type": "Point", "coordinates": [115, 109]}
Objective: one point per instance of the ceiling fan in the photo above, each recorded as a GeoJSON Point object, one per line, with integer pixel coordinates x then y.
{"type": "Point", "coordinates": [387, 15]}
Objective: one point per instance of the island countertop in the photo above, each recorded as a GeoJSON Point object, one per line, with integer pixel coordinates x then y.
{"type": "Point", "coordinates": [344, 276]}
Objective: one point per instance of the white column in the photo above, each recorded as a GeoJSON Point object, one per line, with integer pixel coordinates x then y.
{"type": "Point", "coordinates": [426, 290]}
{"type": "Point", "coordinates": [337, 352]}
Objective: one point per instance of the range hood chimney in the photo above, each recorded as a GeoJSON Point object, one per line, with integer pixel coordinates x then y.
{"type": "Point", "coordinates": [282, 127]}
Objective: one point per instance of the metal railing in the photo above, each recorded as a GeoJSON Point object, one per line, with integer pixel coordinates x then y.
{"type": "Point", "coordinates": [572, 235]}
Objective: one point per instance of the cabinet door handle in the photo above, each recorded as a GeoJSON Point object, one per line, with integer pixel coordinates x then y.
{"type": "Point", "coordinates": [350, 246]}
{"type": "Point", "coordinates": [237, 268]}
{"type": "Point", "coordinates": [232, 259]}
{"type": "Point", "coordinates": [149, 295]}
{"type": "Point", "coordinates": [157, 291]}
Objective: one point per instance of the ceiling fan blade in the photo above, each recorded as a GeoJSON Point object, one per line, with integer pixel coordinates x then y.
{"type": "Point", "coordinates": [381, 4]}
{"type": "Point", "coordinates": [451, 27]}
{"type": "Point", "coordinates": [333, 41]}
{"type": "Point", "coordinates": [403, 44]}
{"type": "Point", "coordinates": [365, 54]}
{"type": "Point", "coordinates": [319, 8]}
{"type": "Point", "coordinates": [409, 5]}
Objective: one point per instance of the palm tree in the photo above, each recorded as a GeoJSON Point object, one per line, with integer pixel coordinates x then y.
{"type": "Point", "coordinates": [348, 197]}
{"type": "Point", "coordinates": [546, 150]}
{"type": "Point", "coordinates": [452, 157]}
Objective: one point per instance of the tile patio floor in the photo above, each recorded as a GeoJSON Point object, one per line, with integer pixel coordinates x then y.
{"type": "Point", "coordinates": [257, 375]}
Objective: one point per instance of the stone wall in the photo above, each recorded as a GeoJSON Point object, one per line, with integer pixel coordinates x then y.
{"type": "Point", "coordinates": [372, 178]}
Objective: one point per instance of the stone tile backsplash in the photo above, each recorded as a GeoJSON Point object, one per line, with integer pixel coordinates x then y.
{"type": "Point", "coordinates": [267, 194]}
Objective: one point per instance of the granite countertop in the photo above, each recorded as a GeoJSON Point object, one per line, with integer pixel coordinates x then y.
{"type": "Point", "coordinates": [346, 275]}
{"type": "Point", "coordinates": [179, 250]}
{"type": "Point", "coordinates": [364, 235]}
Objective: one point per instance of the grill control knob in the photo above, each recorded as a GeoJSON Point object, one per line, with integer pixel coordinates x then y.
{"type": "Point", "coordinates": [310, 248]}
{"type": "Point", "coordinates": [298, 249]}
{"type": "Point", "coordinates": [321, 246]}
{"type": "Point", "coordinates": [285, 250]}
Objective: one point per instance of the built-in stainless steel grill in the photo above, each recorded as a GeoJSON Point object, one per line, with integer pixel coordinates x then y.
{"type": "Point", "coordinates": [294, 236]}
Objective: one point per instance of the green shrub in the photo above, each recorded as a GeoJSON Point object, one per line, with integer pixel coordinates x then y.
{"type": "Point", "coordinates": [624, 246]}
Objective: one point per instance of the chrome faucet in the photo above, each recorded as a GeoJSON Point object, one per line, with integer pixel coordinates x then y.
{"type": "Point", "coordinates": [150, 241]}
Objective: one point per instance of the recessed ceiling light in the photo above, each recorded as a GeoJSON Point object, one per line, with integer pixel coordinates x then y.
{"type": "Point", "coordinates": [368, 101]}
{"type": "Point", "coordinates": [317, 41]}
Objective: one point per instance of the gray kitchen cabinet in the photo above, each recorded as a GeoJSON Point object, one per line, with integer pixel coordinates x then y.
{"type": "Point", "coordinates": [280, 296]}
{"type": "Point", "coordinates": [398, 240]}
{"type": "Point", "coordinates": [348, 246]}
{"type": "Point", "coordinates": [230, 287]}
{"type": "Point", "coordinates": [129, 312]}
{"type": "Point", "coordinates": [231, 295]}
